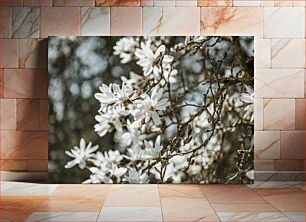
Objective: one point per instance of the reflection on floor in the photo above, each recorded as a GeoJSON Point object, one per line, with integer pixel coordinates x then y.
{"type": "Point", "coordinates": [263, 201]}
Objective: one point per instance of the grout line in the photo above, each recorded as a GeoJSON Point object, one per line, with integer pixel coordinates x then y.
{"type": "Point", "coordinates": [209, 201]}
{"type": "Point", "coordinates": [161, 208]}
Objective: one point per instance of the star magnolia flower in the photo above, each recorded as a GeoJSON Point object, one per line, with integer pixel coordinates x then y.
{"type": "Point", "coordinates": [152, 151]}
{"type": "Point", "coordinates": [125, 48]}
{"type": "Point", "coordinates": [112, 174]}
{"type": "Point", "coordinates": [81, 154]}
{"type": "Point", "coordinates": [113, 94]}
{"type": "Point", "coordinates": [136, 177]}
{"type": "Point", "coordinates": [152, 62]}
{"type": "Point", "coordinates": [150, 105]}
{"type": "Point", "coordinates": [110, 120]}
{"type": "Point", "coordinates": [108, 158]}
{"type": "Point", "coordinates": [249, 99]}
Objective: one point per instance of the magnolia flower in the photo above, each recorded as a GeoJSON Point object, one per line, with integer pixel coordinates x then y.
{"type": "Point", "coordinates": [131, 137]}
{"type": "Point", "coordinates": [81, 154]}
{"type": "Point", "coordinates": [149, 106]}
{"type": "Point", "coordinates": [110, 120]}
{"type": "Point", "coordinates": [136, 177]}
{"type": "Point", "coordinates": [249, 99]}
{"type": "Point", "coordinates": [108, 158]}
{"type": "Point", "coordinates": [152, 62]}
{"type": "Point", "coordinates": [125, 48]}
{"type": "Point", "coordinates": [113, 94]}
{"type": "Point", "coordinates": [151, 151]}
{"type": "Point", "coordinates": [108, 175]}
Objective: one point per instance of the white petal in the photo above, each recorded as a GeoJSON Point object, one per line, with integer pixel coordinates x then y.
{"type": "Point", "coordinates": [155, 118]}
{"type": "Point", "coordinates": [160, 51]}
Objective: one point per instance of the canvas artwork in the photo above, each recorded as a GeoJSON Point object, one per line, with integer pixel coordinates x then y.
{"type": "Point", "coordinates": [162, 109]}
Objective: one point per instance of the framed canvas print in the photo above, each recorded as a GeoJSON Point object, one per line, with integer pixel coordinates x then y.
{"type": "Point", "coordinates": [162, 109]}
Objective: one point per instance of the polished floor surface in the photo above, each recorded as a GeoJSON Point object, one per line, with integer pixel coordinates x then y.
{"type": "Point", "coordinates": [262, 201]}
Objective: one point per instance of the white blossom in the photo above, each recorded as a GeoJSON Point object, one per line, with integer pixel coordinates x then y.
{"type": "Point", "coordinates": [125, 48]}
{"type": "Point", "coordinates": [110, 120]}
{"type": "Point", "coordinates": [151, 105]}
{"type": "Point", "coordinates": [152, 151]}
{"type": "Point", "coordinates": [114, 94]}
{"type": "Point", "coordinates": [136, 177]}
{"type": "Point", "coordinates": [152, 62]}
{"type": "Point", "coordinates": [81, 154]}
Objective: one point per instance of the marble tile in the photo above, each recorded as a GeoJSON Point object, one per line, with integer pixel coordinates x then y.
{"type": "Point", "coordinates": [299, 3]}
{"type": "Point", "coordinates": [253, 216]}
{"type": "Point", "coordinates": [285, 200]}
{"type": "Point", "coordinates": [71, 204]}
{"type": "Point", "coordinates": [282, 49]}
{"type": "Point", "coordinates": [5, 22]}
{"type": "Point", "coordinates": [126, 21]}
{"type": "Point", "coordinates": [92, 191]}
{"type": "Point", "coordinates": [37, 165]}
{"type": "Point", "coordinates": [300, 114]}
{"type": "Point", "coordinates": [232, 21]}
{"type": "Point", "coordinates": [246, 3]}
{"type": "Point", "coordinates": [52, 16]}
{"type": "Point", "coordinates": [27, 113]}
{"type": "Point", "coordinates": [295, 216]}
{"type": "Point", "coordinates": [43, 114]}
{"type": "Point", "coordinates": [276, 184]}
{"type": "Point", "coordinates": [24, 144]}
{"type": "Point", "coordinates": [278, 19]}
{"type": "Point", "coordinates": [292, 145]}
{"type": "Point", "coordinates": [5, 3]}
{"type": "Point", "coordinates": [37, 2]}
{"type": "Point", "coordinates": [262, 53]}
{"type": "Point", "coordinates": [124, 3]}
{"type": "Point", "coordinates": [133, 196]}
{"type": "Point", "coordinates": [8, 53]}
{"type": "Point", "coordinates": [160, 21]}
{"type": "Point", "coordinates": [267, 3]}
{"type": "Point", "coordinates": [146, 2]}
{"type": "Point", "coordinates": [267, 145]}
{"type": "Point", "coordinates": [274, 83]}
{"type": "Point", "coordinates": [73, 3]}
{"type": "Point", "coordinates": [173, 190]}
{"type": "Point", "coordinates": [305, 83]}
{"type": "Point", "coordinates": [263, 207]}
{"type": "Point", "coordinates": [25, 22]}
{"type": "Point", "coordinates": [18, 208]}
{"type": "Point", "coordinates": [289, 165]}
{"type": "Point", "coordinates": [186, 3]}
{"type": "Point", "coordinates": [279, 114]}
{"type": "Point", "coordinates": [279, 175]}
{"type": "Point", "coordinates": [1, 83]}
{"type": "Point", "coordinates": [284, 3]}
{"type": "Point", "coordinates": [33, 53]}
{"type": "Point", "coordinates": [8, 114]}
{"type": "Point", "coordinates": [230, 194]}
{"type": "Point", "coordinates": [9, 188]}
{"type": "Point", "coordinates": [25, 83]}
{"type": "Point", "coordinates": [219, 3]}
{"type": "Point", "coordinates": [258, 114]}
{"type": "Point", "coordinates": [95, 21]}
{"type": "Point", "coordinates": [263, 165]}
{"type": "Point", "coordinates": [187, 209]}
{"type": "Point", "coordinates": [163, 3]}
{"type": "Point", "coordinates": [63, 216]}
{"type": "Point", "coordinates": [130, 214]}
{"type": "Point", "coordinates": [13, 165]}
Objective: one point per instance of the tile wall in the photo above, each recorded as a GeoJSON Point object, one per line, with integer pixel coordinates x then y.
{"type": "Point", "coordinates": [278, 26]}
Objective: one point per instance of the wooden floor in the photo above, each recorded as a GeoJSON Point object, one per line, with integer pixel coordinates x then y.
{"type": "Point", "coordinates": [268, 201]}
